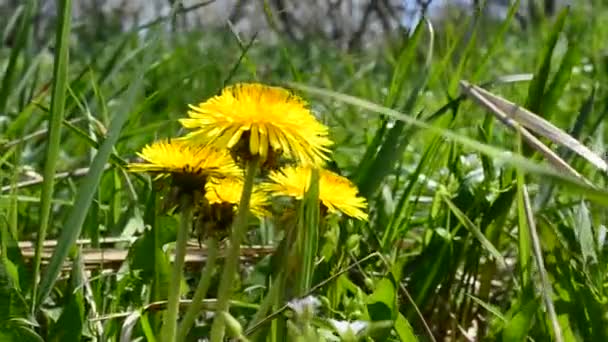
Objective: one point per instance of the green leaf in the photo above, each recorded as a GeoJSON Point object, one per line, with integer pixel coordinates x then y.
{"type": "Point", "coordinates": [13, 331]}
{"type": "Point", "coordinates": [381, 306]}
{"type": "Point", "coordinates": [404, 329]}
{"type": "Point", "coordinates": [11, 301]}
{"type": "Point", "coordinates": [516, 329]}
{"type": "Point", "coordinates": [156, 270]}
{"type": "Point", "coordinates": [72, 321]}
{"type": "Point", "coordinates": [381, 303]}
{"type": "Point", "coordinates": [140, 251]}
{"type": "Point", "coordinates": [401, 209]}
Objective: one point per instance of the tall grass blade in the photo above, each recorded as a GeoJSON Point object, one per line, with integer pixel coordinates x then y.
{"type": "Point", "coordinates": [60, 82]}
{"type": "Point", "coordinates": [557, 87]}
{"type": "Point", "coordinates": [398, 79]}
{"type": "Point", "coordinates": [537, 87]}
{"type": "Point", "coordinates": [497, 40]}
{"type": "Point", "coordinates": [464, 56]}
{"type": "Point", "coordinates": [86, 191]}
{"type": "Point", "coordinates": [308, 231]}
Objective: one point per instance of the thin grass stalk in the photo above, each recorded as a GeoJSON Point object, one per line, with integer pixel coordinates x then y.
{"type": "Point", "coordinates": [169, 331]}
{"type": "Point", "coordinates": [58, 98]}
{"type": "Point", "coordinates": [544, 278]}
{"type": "Point", "coordinates": [523, 235]}
{"type": "Point", "coordinates": [270, 300]}
{"type": "Point", "coordinates": [201, 291]}
{"type": "Point", "coordinates": [232, 259]}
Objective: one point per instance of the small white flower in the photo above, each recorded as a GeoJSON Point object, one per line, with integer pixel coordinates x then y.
{"type": "Point", "coordinates": [306, 305]}
{"type": "Point", "coordinates": [345, 327]}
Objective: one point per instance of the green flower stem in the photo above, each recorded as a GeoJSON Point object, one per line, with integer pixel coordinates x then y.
{"type": "Point", "coordinates": [201, 291]}
{"type": "Point", "coordinates": [169, 330]}
{"type": "Point", "coordinates": [232, 258]}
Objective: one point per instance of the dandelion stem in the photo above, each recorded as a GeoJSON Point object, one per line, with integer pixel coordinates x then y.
{"type": "Point", "coordinates": [201, 291]}
{"type": "Point", "coordinates": [232, 258]}
{"type": "Point", "coordinates": [170, 320]}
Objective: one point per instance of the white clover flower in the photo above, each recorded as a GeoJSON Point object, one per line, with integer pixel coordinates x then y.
{"type": "Point", "coordinates": [304, 306]}
{"type": "Point", "coordinates": [349, 329]}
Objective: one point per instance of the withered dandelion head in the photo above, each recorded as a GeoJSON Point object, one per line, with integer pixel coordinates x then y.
{"type": "Point", "coordinates": [253, 119]}
{"type": "Point", "coordinates": [188, 165]}
{"type": "Point", "coordinates": [229, 190]}
{"type": "Point", "coordinates": [336, 193]}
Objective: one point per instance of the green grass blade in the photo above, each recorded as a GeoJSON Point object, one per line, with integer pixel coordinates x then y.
{"type": "Point", "coordinates": [523, 235]}
{"type": "Point", "coordinates": [537, 87]}
{"type": "Point", "coordinates": [86, 191]}
{"type": "Point", "coordinates": [398, 79]}
{"type": "Point", "coordinates": [489, 307]}
{"type": "Point", "coordinates": [467, 223]}
{"type": "Point", "coordinates": [516, 329]}
{"type": "Point", "coordinates": [560, 80]}
{"type": "Point", "coordinates": [405, 61]}
{"type": "Point", "coordinates": [308, 229]}
{"type": "Point", "coordinates": [397, 137]}
{"type": "Point", "coordinates": [497, 41]}
{"type": "Point", "coordinates": [464, 57]}
{"type": "Point", "coordinates": [58, 99]}
{"type": "Point", "coordinates": [22, 36]}
{"type": "Point", "coordinates": [400, 208]}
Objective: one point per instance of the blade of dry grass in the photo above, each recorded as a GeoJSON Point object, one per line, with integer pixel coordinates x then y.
{"type": "Point", "coordinates": [535, 123]}
{"type": "Point", "coordinates": [509, 121]}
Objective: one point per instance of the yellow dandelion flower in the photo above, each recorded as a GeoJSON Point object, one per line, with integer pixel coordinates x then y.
{"type": "Point", "coordinates": [336, 193]}
{"type": "Point", "coordinates": [189, 165]}
{"type": "Point", "coordinates": [267, 121]}
{"type": "Point", "coordinates": [229, 190]}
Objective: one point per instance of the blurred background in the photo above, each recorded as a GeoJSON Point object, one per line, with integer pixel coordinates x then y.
{"type": "Point", "coordinates": [350, 24]}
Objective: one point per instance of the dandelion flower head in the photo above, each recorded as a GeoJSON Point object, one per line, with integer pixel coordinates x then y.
{"type": "Point", "coordinates": [336, 193]}
{"type": "Point", "coordinates": [190, 165]}
{"type": "Point", "coordinates": [262, 121]}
